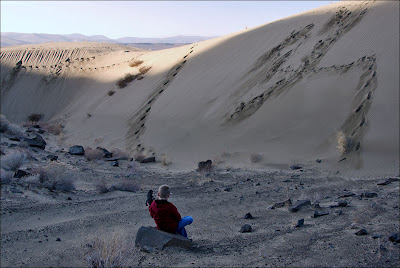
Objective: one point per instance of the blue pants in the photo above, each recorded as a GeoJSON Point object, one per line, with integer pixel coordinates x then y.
{"type": "Point", "coordinates": [181, 225]}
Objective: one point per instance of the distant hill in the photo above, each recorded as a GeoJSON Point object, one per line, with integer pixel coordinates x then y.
{"type": "Point", "coordinates": [14, 39]}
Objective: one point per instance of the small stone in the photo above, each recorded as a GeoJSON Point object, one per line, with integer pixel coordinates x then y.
{"type": "Point", "coordinates": [361, 232]}
{"type": "Point", "coordinates": [245, 228]}
{"type": "Point", "coordinates": [347, 195]}
{"type": "Point", "coordinates": [58, 239]}
{"type": "Point", "coordinates": [395, 238]}
{"type": "Point", "coordinates": [342, 204]}
{"type": "Point", "coordinates": [52, 157]}
{"type": "Point", "coordinates": [285, 203]}
{"type": "Point", "coordinates": [369, 195]}
{"type": "Point", "coordinates": [248, 216]}
{"type": "Point", "coordinates": [299, 204]}
{"type": "Point", "coordinates": [21, 173]}
{"type": "Point", "coordinates": [294, 167]}
{"type": "Point", "coordinates": [318, 160]}
{"type": "Point", "coordinates": [228, 189]}
{"type": "Point", "coordinates": [375, 236]}
{"type": "Point", "coordinates": [300, 223]}
{"type": "Point", "coordinates": [69, 198]}
{"type": "Point", "coordinates": [76, 150]}
{"type": "Point", "coordinates": [149, 160]}
{"type": "Point", "coordinates": [115, 164]}
{"type": "Point", "coordinates": [319, 214]}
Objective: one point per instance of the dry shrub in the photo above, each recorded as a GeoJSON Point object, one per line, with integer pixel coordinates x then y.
{"type": "Point", "coordinates": [54, 129]}
{"type": "Point", "coordinates": [111, 92]}
{"type": "Point", "coordinates": [60, 176]}
{"type": "Point", "coordinates": [35, 117]}
{"type": "Point", "coordinates": [144, 69]}
{"type": "Point", "coordinates": [255, 158]}
{"type": "Point", "coordinates": [114, 251]}
{"type": "Point", "coordinates": [123, 82]}
{"type": "Point", "coordinates": [125, 185]}
{"type": "Point", "coordinates": [165, 161]}
{"type": "Point", "coordinates": [93, 154]}
{"type": "Point", "coordinates": [13, 161]}
{"type": "Point", "coordinates": [119, 153]}
{"type": "Point", "coordinates": [101, 187]}
{"type": "Point", "coordinates": [135, 63]}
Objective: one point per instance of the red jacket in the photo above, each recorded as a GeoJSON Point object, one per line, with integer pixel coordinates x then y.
{"type": "Point", "coordinates": [165, 215]}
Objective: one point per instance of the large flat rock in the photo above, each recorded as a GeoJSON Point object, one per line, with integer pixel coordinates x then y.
{"type": "Point", "coordinates": [151, 238]}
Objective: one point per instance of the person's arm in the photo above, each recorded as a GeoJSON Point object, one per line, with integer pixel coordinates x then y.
{"type": "Point", "coordinates": [175, 213]}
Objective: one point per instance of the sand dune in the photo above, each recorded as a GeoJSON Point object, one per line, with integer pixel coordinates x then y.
{"type": "Point", "coordinates": [281, 91]}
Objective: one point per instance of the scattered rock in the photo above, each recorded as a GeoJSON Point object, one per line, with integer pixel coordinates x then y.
{"type": "Point", "coordinates": [248, 216]}
{"type": "Point", "coordinates": [52, 157]}
{"type": "Point", "coordinates": [318, 160]}
{"type": "Point", "coordinates": [14, 139]}
{"type": "Point", "coordinates": [395, 238]}
{"type": "Point", "coordinates": [384, 183]}
{"type": "Point", "coordinates": [41, 131]}
{"type": "Point", "coordinates": [69, 198]}
{"type": "Point", "coordinates": [285, 203]}
{"type": "Point", "coordinates": [58, 239]}
{"type": "Point", "coordinates": [375, 236]}
{"type": "Point", "coordinates": [228, 189]}
{"type": "Point", "coordinates": [115, 164]}
{"type": "Point", "coordinates": [150, 237]}
{"type": "Point", "coordinates": [294, 167]}
{"type": "Point", "coordinates": [319, 214]}
{"type": "Point", "coordinates": [117, 158]}
{"type": "Point", "coordinates": [343, 203]}
{"type": "Point", "coordinates": [36, 126]}
{"type": "Point", "coordinates": [300, 223]}
{"type": "Point", "coordinates": [369, 195]}
{"type": "Point", "coordinates": [299, 204]}
{"type": "Point", "coordinates": [37, 142]}
{"type": "Point", "coordinates": [107, 154]}
{"type": "Point", "coordinates": [347, 195]}
{"type": "Point", "coordinates": [245, 228]}
{"type": "Point", "coordinates": [149, 160]}
{"type": "Point", "coordinates": [361, 232]}
{"type": "Point", "coordinates": [76, 150]}
{"type": "Point", "coordinates": [21, 173]}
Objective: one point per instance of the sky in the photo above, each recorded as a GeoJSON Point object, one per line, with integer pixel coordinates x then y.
{"type": "Point", "coordinates": [116, 19]}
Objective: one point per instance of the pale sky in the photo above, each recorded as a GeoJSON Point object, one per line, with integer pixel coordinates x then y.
{"type": "Point", "coordinates": [116, 19]}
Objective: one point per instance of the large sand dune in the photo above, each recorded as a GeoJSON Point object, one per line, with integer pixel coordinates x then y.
{"type": "Point", "coordinates": [281, 91]}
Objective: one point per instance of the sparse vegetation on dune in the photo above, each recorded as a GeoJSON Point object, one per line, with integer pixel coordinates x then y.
{"type": "Point", "coordinates": [123, 82]}
{"type": "Point", "coordinates": [93, 154]}
{"type": "Point", "coordinates": [135, 63]}
{"type": "Point", "coordinates": [144, 69]}
{"type": "Point", "coordinates": [35, 117]}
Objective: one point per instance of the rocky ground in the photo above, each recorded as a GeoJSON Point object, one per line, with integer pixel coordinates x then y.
{"type": "Point", "coordinates": [50, 223]}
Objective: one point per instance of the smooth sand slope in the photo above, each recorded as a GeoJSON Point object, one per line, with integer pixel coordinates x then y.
{"type": "Point", "coordinates": [280, 92]}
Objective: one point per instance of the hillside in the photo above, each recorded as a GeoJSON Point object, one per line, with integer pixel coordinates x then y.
{"type": "Point", "coordinates": [279, 93]}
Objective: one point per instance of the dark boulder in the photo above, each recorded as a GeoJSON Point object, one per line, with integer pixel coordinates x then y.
{"type": "Point", "coordinates": [395, 238]}
{"type": "Point", "coordinates": [245, 228]}
{"type": "Point", "coordinates": [369, 195]}
{"type": "Point", "coordinates": [285, 203]}
{"type": "Point", "coordinates": [37, 142]}
{"type": "Point", "coordinates": [151, 238]}
{"type": "Point", "coordinates": [361, 232]}
{"type": "Point", "coordinates": [248, 216]}
{"type": "Point", "coordinates": [76, 150]}
{"type": "Point", "coordinates": [294, 167]}
{"type": "Point", "coordinates": [319, 214]}
{"type": "Point", "coordinates": [107, 154]}
{"type": "Point", "coordinates": [299, 204]}
{"type": "Point", "coordinates": [149, 160]}
{"type": "Point", "coordinates": [21, 173]}
{"type": "Point", "coordinates": [300, 223]}
{"type": "Point", "coordinates": [52, 157]}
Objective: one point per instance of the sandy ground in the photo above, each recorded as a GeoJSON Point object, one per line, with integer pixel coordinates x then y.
{"type": "Point", "coordinates": [35, 218]}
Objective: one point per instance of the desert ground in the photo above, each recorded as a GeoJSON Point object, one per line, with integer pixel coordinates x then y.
{"type": "Point", "coordinates": [45, 226]}
{"type": "Point", "coordinates": [302, 109]}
